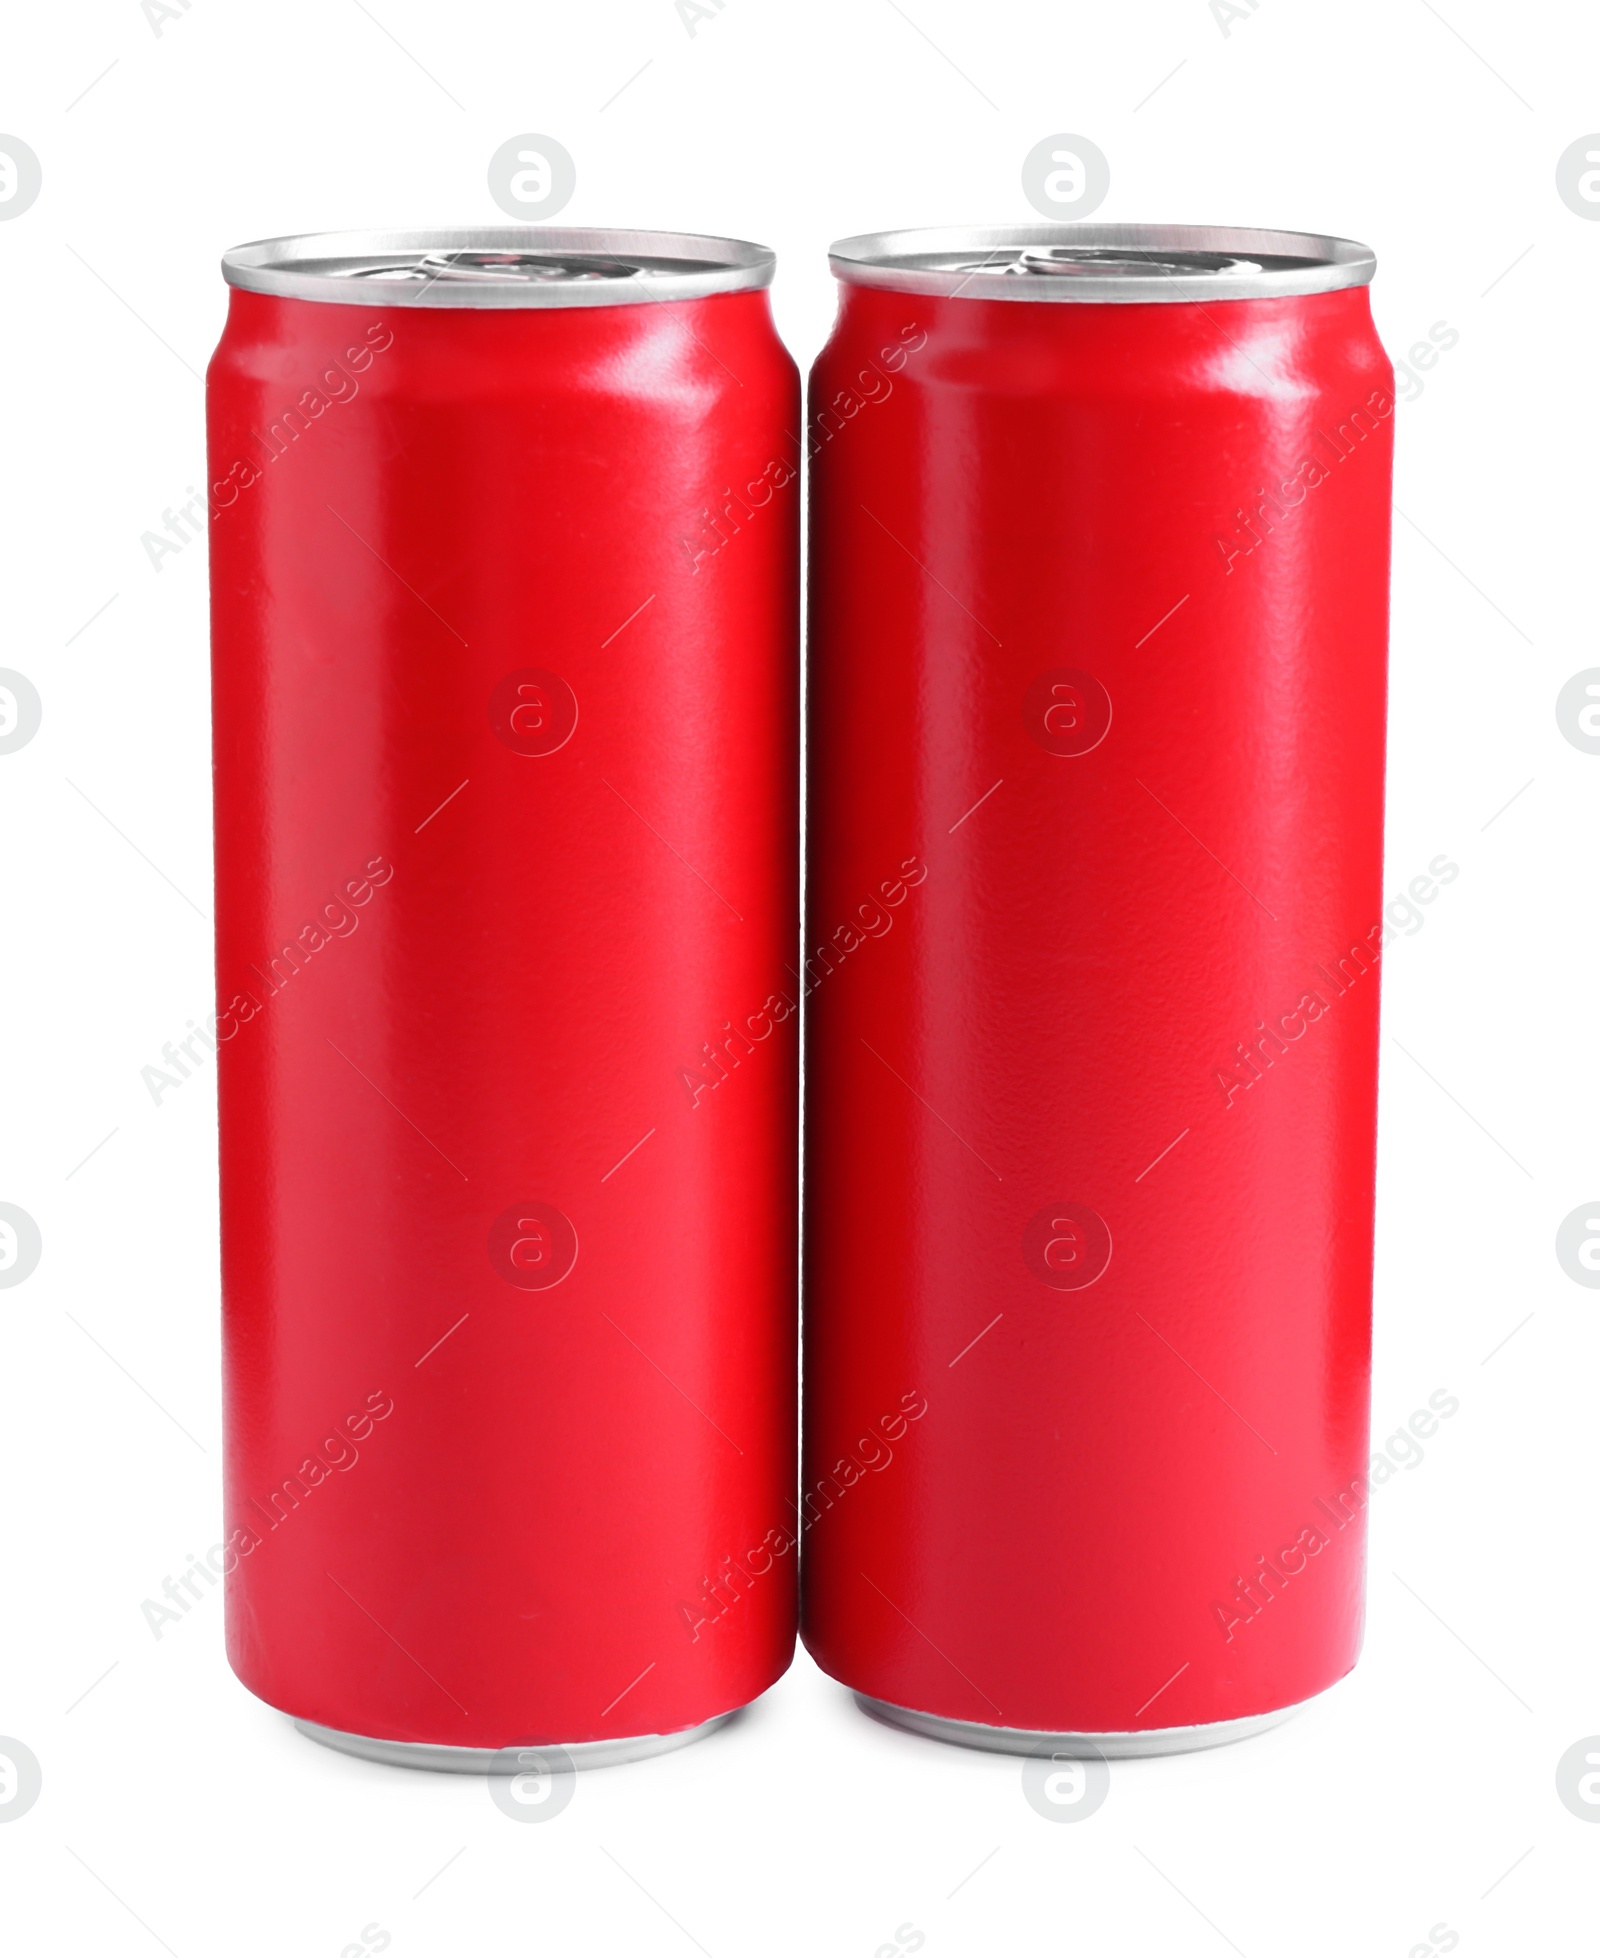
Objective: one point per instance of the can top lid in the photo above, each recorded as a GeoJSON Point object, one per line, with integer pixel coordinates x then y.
{"type": "Point", "coordinates": [498, 265]}
{"type": "Point", "coordinates": [1104, 264]}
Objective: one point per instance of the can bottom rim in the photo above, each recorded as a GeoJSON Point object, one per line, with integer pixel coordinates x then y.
{"type": "Point", "coordinates": [1128, 1745]}
{"type": "Point", "coordinates": [492, 1760]}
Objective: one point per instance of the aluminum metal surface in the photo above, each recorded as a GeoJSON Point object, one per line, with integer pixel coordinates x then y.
{"type": "Point", "coordinates": [1129, 1746]}
{"type": "Point", "coordinates": [494, 1760]}
{"type": "Point", "coordinates": [507, 265]}
{"type": "Point", "coordinates": [1103, 264]}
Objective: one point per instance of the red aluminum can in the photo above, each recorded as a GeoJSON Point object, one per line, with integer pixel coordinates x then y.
{"type": "Point", "coordinates": [1099, 596]}
{"type": "Point", "coordinates": [504, 570]}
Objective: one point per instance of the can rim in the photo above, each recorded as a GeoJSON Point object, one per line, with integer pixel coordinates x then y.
{"type": "Point", "coordinates": [905, 261]}
{"type": "Point", "coordinates": [307, 265]}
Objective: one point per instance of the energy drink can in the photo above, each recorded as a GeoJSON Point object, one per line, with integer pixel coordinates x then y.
{"type": "Point", "coordinates": [504, 562]}
{"type": "Point", "coordinates": [1099, 587]}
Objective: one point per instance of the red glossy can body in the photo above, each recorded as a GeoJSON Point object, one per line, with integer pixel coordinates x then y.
{"type": "Point", "coordinates": [1097, 695]}
{"type": "Point", "coordinates": [505, 701]}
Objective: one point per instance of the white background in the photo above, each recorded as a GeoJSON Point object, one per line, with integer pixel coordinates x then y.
{"type": "Point", "coordinates": [1420, 1797]}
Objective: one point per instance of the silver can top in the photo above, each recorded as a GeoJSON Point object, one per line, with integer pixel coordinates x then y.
{"type": "Point", "coordinates": [498, 265]}
{"type": "Point", "coordinates": [1103, 264]}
